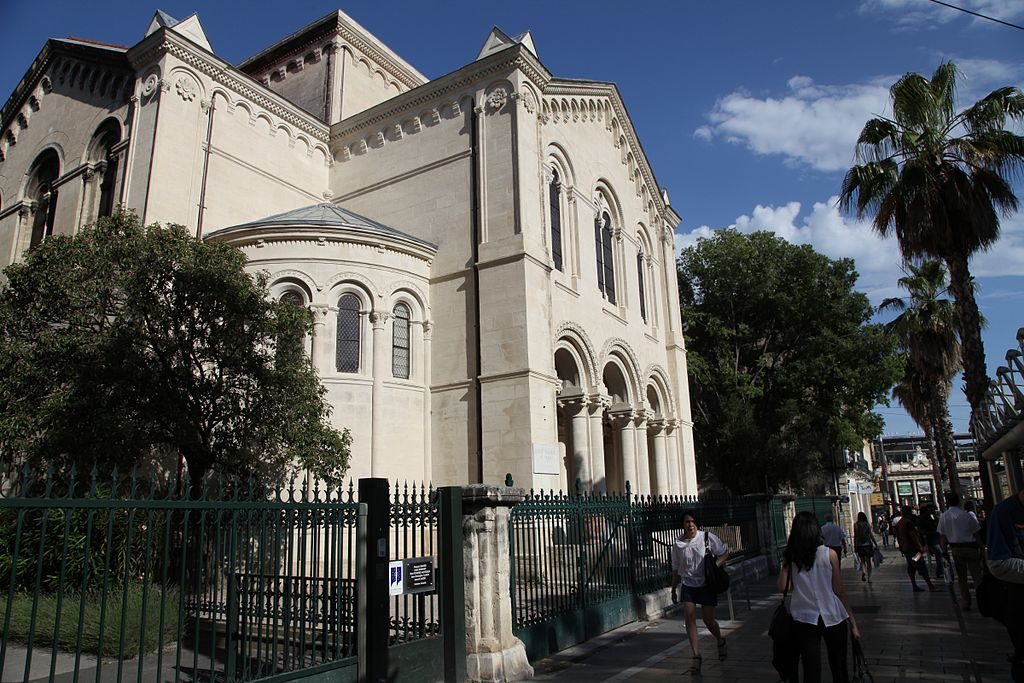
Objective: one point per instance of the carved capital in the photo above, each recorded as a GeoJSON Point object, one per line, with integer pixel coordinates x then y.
{"type": "Point", "coordinates": [428, 327]}
{"type": "Point", "coordinates": [320, 313]}
{"type": "Point", "coordinates": [621, 419]}
{"type": "Point", "coordinates": [573, 404]}
{"type": "Point", "coordinates": [378, 319]}
{"type": "Point", "coordinates": [641, 416]}
{"type": "Point", "coordinates": [655, 427]}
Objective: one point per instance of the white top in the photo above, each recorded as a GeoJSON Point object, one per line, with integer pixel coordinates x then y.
{"type": "Point", "coordinates": [812, 592]}
{"type": "Point", "coordinates": [833, 535]}
{"type": "Point", "coordinates": [958, 525]}
{"type": "Point", "coordinates": [688, 557]}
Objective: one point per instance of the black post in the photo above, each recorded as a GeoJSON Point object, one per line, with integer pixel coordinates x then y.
{"type": "Point", "coordinates": [452, 591]}
{"type": "Point", "coordinates": [373, 583]}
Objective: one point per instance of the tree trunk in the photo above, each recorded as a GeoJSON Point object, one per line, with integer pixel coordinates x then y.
{"type": "Point", "coordinates": [936, 452]}
{"type": "Point", "coordinates": [944, 433]}
{"type": "Point", "coordinates": [972, 349]}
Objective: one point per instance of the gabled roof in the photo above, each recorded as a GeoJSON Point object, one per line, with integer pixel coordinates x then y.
{"type": "Point", "coordinates": [190, 27]}
{"type": "Point", "coordinates": [324, 216]}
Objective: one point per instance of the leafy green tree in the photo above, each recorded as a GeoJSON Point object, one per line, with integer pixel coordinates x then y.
{"type": "Point", "coordinates": [125, 343]}
{"type": "Point", "coordinates": [926, 330]}
{"type": "Point", "coordinates": [784, 365]}
{"type": "Point", "coordinates": [939, 179]}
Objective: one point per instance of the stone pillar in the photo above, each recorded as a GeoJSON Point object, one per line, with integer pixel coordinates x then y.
{"type": "Point", "coordinates": [596, 406]}
{"type": "Point", "coordinates": [675, 460]}
{"type": "Point", "coordinates": [492, 652]}
{"type": "Point", "coordinates": [622, 423]}
{"type": "Point", "coordinates": [380, 357]}
{"type": "Point", "coordinates": [663, 483]}
{"type": "Point", "coordinates": [574, 407]}
{"type": "Point", "coordinates": [428, 459]}
{"type": "Point", "coordinates": [643, 456]}
{"type": "Point", "coordinates": [321, 347]}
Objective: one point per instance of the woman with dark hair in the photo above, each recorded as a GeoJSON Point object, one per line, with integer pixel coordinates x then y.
{"type": "Point", "coordinates": [864, 545]}
{"type": "Point", "coordinates": [688, 552]}
{"type": "Point", "coordinates": [819, 607]}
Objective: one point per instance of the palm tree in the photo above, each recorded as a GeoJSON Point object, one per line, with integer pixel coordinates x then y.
{"type": "Point", "coordinates": [926, 331]}
{"type": "Point", "coordinates": [940, 180]}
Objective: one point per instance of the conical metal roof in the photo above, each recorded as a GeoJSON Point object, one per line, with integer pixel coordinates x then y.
{"type": "Point", "coordinates": [325, 216]}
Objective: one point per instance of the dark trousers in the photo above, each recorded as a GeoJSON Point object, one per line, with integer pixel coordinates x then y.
{"type": "Point", "coordinates": [1014, 622]}
{"type": "Point", "coordinates": [808, 642]}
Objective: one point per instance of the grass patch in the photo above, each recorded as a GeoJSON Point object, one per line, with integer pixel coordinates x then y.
{"type": "Point", "coordinates": [119, 602]}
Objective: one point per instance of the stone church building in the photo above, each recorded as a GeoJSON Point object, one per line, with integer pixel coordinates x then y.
{"type": "Point", "coordinates": [487, 255]}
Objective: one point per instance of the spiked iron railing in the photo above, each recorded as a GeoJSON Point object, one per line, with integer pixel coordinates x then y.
{"type": "Point", "coordinates": [122, 577]}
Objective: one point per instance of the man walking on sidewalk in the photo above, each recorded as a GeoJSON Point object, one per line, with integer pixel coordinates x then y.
{"type": "Point", "coordinates": [912, 547]}
{"type": "Point", "coordinates": [957, 528]}
{"type": "Point", "coordinates": [834, 537]}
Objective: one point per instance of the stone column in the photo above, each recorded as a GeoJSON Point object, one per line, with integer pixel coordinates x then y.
{"type": "Point", "coordinates": [320, 348]}
{"type": "Point", "coordinates": [493, 653]}
{"type": "Point", "coordinates": [662, 484]}
{"type": "Point", "coordinates": [428, 459]}
{"type": "Point", "coordinates": [673, 459]}
{"type": "Point", "coordinates": [643, 457]}
{"type": "Point", "coordinates": [380, 356]}
{"type": "Point", "coordinates": [622, 423]}
{"type": "Point", "coordinates": [574, 406]}
{"type": "Point", "coordinates": [596, 406]}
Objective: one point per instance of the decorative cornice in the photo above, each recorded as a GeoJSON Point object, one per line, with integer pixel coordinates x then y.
{"type": "Point", "coordinates": [443, 88]}
{"type": "Point", "coordinates": [167, 42]}
{"type": "Point", "coordinates": [598, 89]}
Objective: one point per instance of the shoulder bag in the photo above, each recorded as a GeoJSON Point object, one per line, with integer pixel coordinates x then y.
{"type": "Point", "coordinates": [715, 577]}
{"type": "Point", "coordinates": [782, 633]}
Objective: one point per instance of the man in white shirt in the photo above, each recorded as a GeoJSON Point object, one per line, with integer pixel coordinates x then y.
{"type": "Point", "coordinates": [957, 529]}
{"type": "Point", "coordinates": [833, 536]}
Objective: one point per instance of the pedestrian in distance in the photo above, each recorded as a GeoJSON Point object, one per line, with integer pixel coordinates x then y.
{"type": "Point", "coordinates": [819, 607]}
{"type": "Point", "coordinates": [688, 587]}
{"type": "Point", "coordinates": [883, 529]}
{"type": "Point", "coordinates": [835, 537]}
{"type": "Point", "coordinates": [929, 525]}
{"type": "Point", "coordinates": [1006, 562]}
{"type": "Point", "coordinates": [957, 532]}
{"type": "Point", "coordinates": [912, 546]}
{"type": "Point", "coordinates": [864, 545]}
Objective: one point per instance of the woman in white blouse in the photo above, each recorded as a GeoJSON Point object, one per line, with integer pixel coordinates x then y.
{"type": "Point", "coordinates": [688, 583]}
{"type": "Point", "coordinates": [819, 607]}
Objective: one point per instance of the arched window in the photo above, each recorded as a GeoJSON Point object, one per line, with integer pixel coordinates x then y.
{"type": "Point", "coordinates": [605, 260]}
{"type": "Point", "coordinates": [45, 171]}
{"type": "Point", "coordinates": [349, 328]}
{"type": "Point", "coordinates": [292, 297]}
{"type": "Point", "coordinates": [640, 283]}
{"type": "Point", "coordinates": [400, 342]}
{"type": "Point", "coordinates": [554, 198]}
{"type": "Point", "coordinates": [108, 135]}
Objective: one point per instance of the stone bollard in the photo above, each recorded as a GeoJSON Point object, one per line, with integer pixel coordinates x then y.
{"type": "Point", "coordinates": [492, 652]}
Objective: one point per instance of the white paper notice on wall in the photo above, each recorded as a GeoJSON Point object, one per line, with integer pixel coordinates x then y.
{"type": "Point", "coordinates": [545, 458]}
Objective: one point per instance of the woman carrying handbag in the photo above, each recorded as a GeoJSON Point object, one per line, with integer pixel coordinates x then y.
{"type": "Point", "coordinates": [818, 604]}
{"type": "Point", "coordinates": [864, 545]}
{"type": "Point", "coordinates": [688, 584]}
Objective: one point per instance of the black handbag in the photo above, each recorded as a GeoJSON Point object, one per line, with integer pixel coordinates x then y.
{"type": "Point", "coordinates": [782, 632]}
{"type": "Point", "coordinates": [861, 673]}
{"type": "Point", "coordinates": [991, 595]}
{"type": "Point", "coordinates": [715, 578]}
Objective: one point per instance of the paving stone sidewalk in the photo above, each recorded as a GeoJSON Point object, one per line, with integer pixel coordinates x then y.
{"type": "Point", "coordinates": [907, 636]}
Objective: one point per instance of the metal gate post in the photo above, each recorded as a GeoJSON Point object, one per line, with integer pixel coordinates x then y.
{"type": "Point", "coordinates": [452, 593]}
{"type": "Point", "coordinates": [375, 611]}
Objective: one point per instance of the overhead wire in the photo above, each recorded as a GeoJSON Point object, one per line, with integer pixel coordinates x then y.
{"type": "Point", "coordinates": [977, 14]}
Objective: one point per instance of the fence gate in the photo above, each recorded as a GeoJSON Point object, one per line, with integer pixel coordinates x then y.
{"type": "Point", "coordinates": [572, 569]}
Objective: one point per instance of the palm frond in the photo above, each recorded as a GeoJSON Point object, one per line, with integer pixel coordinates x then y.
{"type": "Point", "coordinates": [911, 101]}
{"type": "Point", "coordinates": [992, 111]}
{"type": "Point", "coordinates": [943, 92]}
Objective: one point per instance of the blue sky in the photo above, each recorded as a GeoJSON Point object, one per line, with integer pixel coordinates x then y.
{"type": "Point", "coordinates": [747, 110]}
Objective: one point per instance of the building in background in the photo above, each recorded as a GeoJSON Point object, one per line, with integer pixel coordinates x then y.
{"type": "Point", "coordinates": [906, 463]}
{"type": "Point", "coordinates": [488, 256]}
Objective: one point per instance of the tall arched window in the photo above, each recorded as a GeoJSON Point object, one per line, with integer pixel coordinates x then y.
{"type": "Point", "coordinates": [640, 267]}
{"type": "Point", "coordinates": [108, 135]}
{"type": "Point", "coordinates": [554, 198]}
{"type": "Point", "coordinates": [605, 259]}
{"type": "Point", "coordinates": [349, 329]}
{"type": "Point", "coordinates": [45, 171]}
{"type": "Point", "coordinates": [400, 342]}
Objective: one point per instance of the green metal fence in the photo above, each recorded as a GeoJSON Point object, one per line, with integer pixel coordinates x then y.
{"type": "Point", "coordinates": [819, 506]}
{"type": "Point", "coordinates": [579, 561]}
{"type": "Point", "coordinates": [147, 579]}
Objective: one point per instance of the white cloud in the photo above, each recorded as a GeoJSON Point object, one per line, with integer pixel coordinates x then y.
{"type": "Point", "coordinates": [815, 125]}
{"type": "Point", "coordinates": [877, 260]}
{"type": "Point", "coordinates": [918, 14]}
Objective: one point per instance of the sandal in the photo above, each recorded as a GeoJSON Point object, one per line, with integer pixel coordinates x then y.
{"type": "Point", "coordinates": [695, 666]}
{"type": "Point", "coordinates": [723, 651]}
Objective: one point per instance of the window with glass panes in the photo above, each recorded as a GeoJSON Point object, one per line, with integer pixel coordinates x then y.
{"type": "Point", "coordinates": [347, 346]}
{"type": "Point", "coordinates": [400, 342]}
{"type": "Point", "coordinates": [554, 198]}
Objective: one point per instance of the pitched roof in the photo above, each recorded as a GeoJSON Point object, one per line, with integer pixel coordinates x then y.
{"type": "Point", "coordinates": [326, 216]}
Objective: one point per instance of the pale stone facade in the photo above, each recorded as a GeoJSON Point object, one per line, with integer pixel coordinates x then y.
{"type": "Point", "coordinates": [487, 254]}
